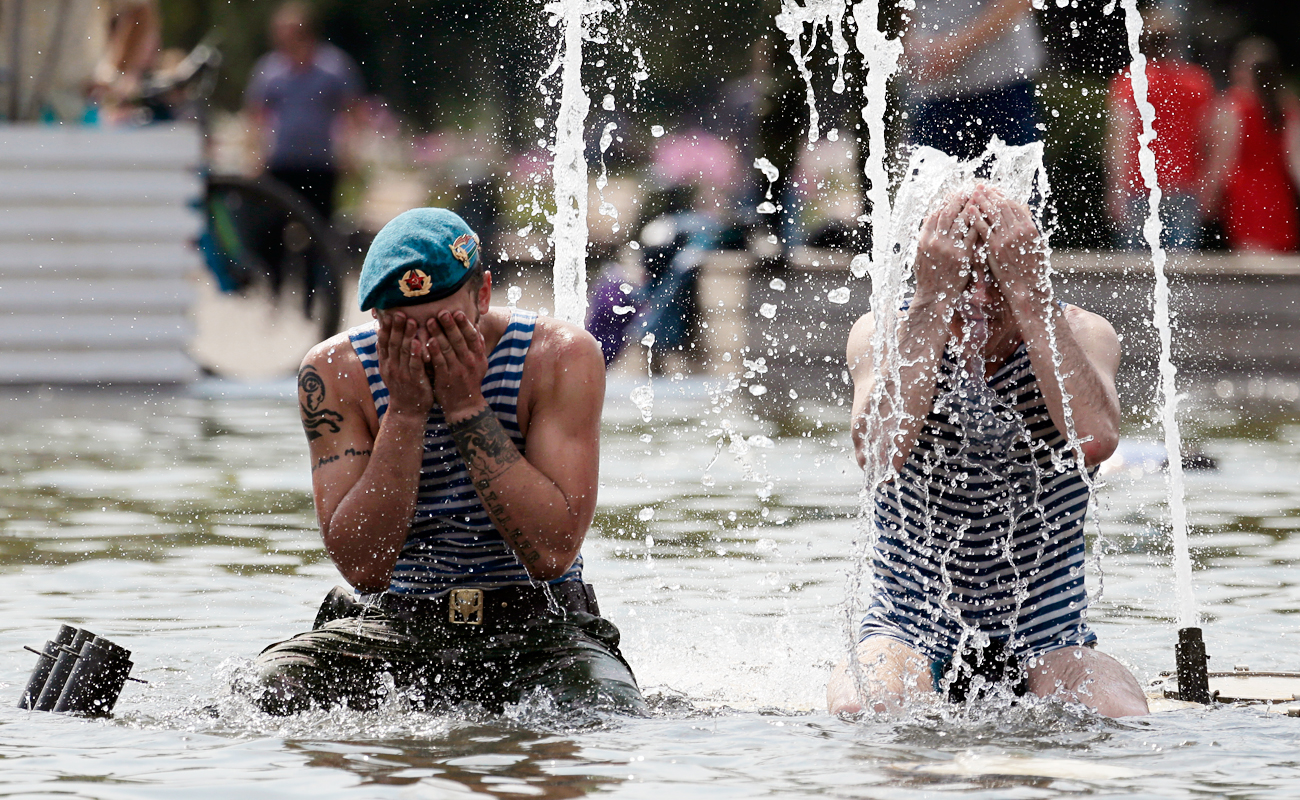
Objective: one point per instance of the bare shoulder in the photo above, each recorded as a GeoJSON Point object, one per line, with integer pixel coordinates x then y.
{"type": "Point", "coordinates": [1094, 333]}
{"type": "Point", "coordinates": [332, 371]}
{"type": "Point", "coordinates": [1086, 323]}
{"type": "Point", "coordinates": [564, 351]}
{"type": "Point", "coordinates": [334, 360]}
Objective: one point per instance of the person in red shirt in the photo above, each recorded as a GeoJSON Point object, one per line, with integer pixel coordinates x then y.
{"type": "Point", "coordinates": [1255, 160]}
{"type": "Point", "coordinates": [1182, 95]}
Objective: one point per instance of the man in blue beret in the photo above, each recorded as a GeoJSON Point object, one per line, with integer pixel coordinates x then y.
{"type": "Point", "coordinates": [455, 451]}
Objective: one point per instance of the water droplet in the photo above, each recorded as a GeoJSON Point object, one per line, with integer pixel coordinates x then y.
{"type": "Point", "coordinates": [648, 340]}
{"type": "Point", "coordinates": [645, 515]}
{"type": "Point", "coordinates": [621, 310]}
{"type": "Point", "coordinates": [833, 134]}
{"type": "Point", "coordinates": [840, 295]}
{"type": "Point", "coordinates": [625, 288]}
{"type": "Point", "coordinates": [513, 294]}
{"type": "Point", "coordinates": [768, 310]}
{"type": "Point", "coordinates": [768, 169]}
{"type": "Point", "coordinates": [777, 284]}
{"type": "Point", "coordinates": [643, 397]}
{"type": "Point", "coordinates": [758, 390]}
{"type": "Point", "coordinates": [608, 102]}
{"type": "Point", "coordinates": [859, 265]}
{"type": "Point", "coordinates": [794, 395]}
{"type": "Point", "coordinates": [766, 207]}
{"type": "Point", "coordinates": [656, 131]}
{"type": "Point", "coordinates": [708, 480]}
{"type": "Point", "coordinates": [646, 438]}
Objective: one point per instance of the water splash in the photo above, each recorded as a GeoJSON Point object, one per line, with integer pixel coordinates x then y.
{"type": "Point", "coordinates": [643, 397]}
{"type": "Point", "coordinates": [814, 14]}
{"type": "Point", "coordinates": [881, 55]}
{"type": "Point", "coordinates": [569, 168]}
{"type": "Point", "coordinates": [1151, 229]}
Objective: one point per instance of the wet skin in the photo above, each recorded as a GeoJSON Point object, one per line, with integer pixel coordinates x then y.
{"type": "Point", "coordinates": [981, 269]}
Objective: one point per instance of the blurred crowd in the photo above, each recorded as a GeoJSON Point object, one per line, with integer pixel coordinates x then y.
{"type": "Point", "coordinates": [736, 174]}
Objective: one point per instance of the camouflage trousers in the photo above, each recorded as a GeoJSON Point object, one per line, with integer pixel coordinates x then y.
{"type": "Point", "coordinates": [572, 659]}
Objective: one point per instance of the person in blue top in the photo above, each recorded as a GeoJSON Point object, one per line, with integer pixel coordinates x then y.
{"type": "Point", "coordinates": [299, 103]}
{"type": "Point", "coordinates": [977, 557]}
{"type": "Point", "coordinates": [454, 455]}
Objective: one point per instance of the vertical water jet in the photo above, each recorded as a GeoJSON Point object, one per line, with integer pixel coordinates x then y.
{"type": "Point", "coordinates": [1151, 229]}
{"type": "Point", "coordinates": [569, 168]}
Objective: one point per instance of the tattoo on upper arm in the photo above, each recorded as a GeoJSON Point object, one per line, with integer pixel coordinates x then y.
{"type": "Point", "coordinates": [484, 445]}
{"type": "Point", "coordinates": [314, 415]}
{"type": "Point", "coordinates": [323, 460]}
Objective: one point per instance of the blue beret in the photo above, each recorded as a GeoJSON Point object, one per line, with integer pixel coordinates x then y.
{"type": "Point", "coordinates": [423, 255]}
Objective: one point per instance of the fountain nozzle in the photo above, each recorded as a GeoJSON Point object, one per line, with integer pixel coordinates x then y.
{"type": "Point", "coordinates": [1193, 666]}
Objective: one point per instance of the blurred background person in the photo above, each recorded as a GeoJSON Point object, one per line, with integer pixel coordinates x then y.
{"type": "Point", "coordinates": [1255, 154]}
{"type": "Point", "coordinates": [1182, 95]}
{"type": "Point", "coordinates": [61, 61]}
{"type": "Point", "coordinates": [971, 66]}
{"type": "Point", "coordinates": [299, 101]}
{"type": "Point", "coordinates": [134, 44]}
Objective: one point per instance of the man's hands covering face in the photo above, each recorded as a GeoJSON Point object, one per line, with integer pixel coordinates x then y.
{"type": "Point", "coordinates": [444, 362]}
{"type": "Point", "coordinates": [458, 356]}
{"type": "Point", "coordinates": [984, 226]}
{"type": "Point", "coordinates": [944, 253]}
{"type": "Point", "coordinates": [1013, 247]}
{"type": "Point", "coordinates": [402, 358]}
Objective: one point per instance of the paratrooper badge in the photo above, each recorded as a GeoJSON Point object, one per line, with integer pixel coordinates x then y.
{"type": "Point", "coordinates": [464, 249]}
{"type": "Point", "coordinates": [415, 283]}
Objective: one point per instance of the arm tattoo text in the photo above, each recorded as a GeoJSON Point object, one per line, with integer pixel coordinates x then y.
{"type": "Point", "coordinates": [314, 415]}
{"type": "Point", "coordinates": [323, 460]}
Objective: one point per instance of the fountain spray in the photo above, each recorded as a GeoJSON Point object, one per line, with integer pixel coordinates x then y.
{"type": "Point", "coordinates": [569, 168]}
{"type": "Point", "coordinates": [1193, 680]}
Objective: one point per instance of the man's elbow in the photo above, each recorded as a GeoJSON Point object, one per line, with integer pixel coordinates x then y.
{"type": "Point", "coordinates": [1100, 446]}
{"type": "Point", "coordinates": [551, 566]}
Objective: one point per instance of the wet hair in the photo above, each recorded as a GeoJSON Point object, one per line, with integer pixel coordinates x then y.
{"type": "Point", "coordinates": [475, 277]}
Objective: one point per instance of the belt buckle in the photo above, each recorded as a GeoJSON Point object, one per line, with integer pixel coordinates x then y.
{"type": "Point", "coordinates": [465, 607]}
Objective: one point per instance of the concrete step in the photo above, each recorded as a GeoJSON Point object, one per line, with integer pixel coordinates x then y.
{"type": "Point", "coordinates": [90, 186]}
{"type": "Point", "coordinates": [122, 223]}
{"type": "Point", "coordinates": [61, 297]}
{"type": "Point", "coordinates": [19, 331]}
{"type": "Point", "coordinates": [138, 365]}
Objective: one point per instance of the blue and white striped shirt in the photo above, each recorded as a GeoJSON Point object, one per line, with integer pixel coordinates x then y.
{"type": "Point", "coordinates": [983, 529]}
{"type": "Point", "coordinates": [453, 542]}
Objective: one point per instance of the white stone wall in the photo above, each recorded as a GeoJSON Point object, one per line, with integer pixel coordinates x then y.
{"type": "Point", "coordinates": [97, 263]}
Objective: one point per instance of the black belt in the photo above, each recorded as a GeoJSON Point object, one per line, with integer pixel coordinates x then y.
{"type": "Point", "coordinates": [467, 607]}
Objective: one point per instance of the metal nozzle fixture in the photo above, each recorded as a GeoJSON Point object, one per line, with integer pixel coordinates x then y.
{"type": "Point", "coordinates": [77, 672]}
{"type": "Point", "coordinates": [1193, 666]}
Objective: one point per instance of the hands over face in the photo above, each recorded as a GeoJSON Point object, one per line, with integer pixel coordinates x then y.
{"type": "Point", "coordinates": [458, 355]}
{"type": "Point", "coordinates": [944, 253]}
{"type": "Point", "coordinates": [402, 356]}
{"type": "Point", "coordinates": [982, 226]}
{"type": "Point", "coordinates": [1012, 244]}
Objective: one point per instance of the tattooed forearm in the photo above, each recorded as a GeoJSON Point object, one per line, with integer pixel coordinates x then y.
{"type": "Point", "coordinates": [314, 416]}
{"type": "Point", "coordinates": [485, 446]}
{"type": "Point", "coordinates": [515, 537]}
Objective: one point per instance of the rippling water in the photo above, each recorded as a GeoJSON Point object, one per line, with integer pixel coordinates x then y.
{"type": "Point", "coordinates": [181, 527]}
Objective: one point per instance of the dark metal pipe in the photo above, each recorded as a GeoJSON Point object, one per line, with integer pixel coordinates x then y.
{"type": "Point", "coordinates": [96, 680]}
{"type": "Point", "coordinates": [61, 670]}
{"type": "Point", "coordinates": [41, 673]}
{"type": "Point", "coordinates": [1193, 666]}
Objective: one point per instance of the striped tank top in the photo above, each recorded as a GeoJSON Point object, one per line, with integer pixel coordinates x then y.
{"type": "Point", "coordinates": [452, 542]}
{"type": "Point", "coordinates": [982, 531]}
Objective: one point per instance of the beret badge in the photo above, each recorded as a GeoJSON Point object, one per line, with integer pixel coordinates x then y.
{"type": "Point", "coordinates": [415, 283]}
{"type": "Point", "coordinates": [464, 249]}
